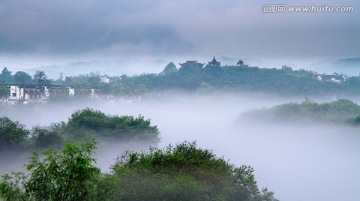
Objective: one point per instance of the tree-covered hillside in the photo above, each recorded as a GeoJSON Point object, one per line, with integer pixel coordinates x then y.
{"type": "Point", "coordinates": [198, 78]}
{"type": "Point", "coordinates": [342, 111]}
{"type": "Point", "coordinates": [284, 81]}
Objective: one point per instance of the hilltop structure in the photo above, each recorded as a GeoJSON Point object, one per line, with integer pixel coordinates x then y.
{"type": "Point", "coordinates": [214, 63]}
{"type": "Point", "coordinates": [193, 63]}
{"type": "Point", "coordinates": [332, 78]}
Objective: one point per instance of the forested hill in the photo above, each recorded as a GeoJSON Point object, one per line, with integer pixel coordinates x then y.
{"type": "Point", "coordinates": [207, 78]}
{"type": "Point", "coordinates": [284, 81]}
{"type": "Point", "coordinates": [342, 111]}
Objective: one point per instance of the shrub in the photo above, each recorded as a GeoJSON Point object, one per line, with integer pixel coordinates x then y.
{"type": "Point", "coordinates": [65, 175]}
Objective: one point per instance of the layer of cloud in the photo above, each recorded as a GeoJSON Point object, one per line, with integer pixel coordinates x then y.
{"type": "Point", "coordinates": [168, 28]}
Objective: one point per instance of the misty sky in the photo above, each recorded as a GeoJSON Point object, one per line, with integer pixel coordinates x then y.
{"type": "Point", "coordinates": [50, 32]}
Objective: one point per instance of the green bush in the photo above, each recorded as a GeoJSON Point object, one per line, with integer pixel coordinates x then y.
{"type": "Point", "coordinates": [42, 138]}
{"type": "Point", "coordinates": [89, 122]}
{"type": "Point", "coordinates": [65, 175]}
{"type": "Point", "coordinates": [13, 135]}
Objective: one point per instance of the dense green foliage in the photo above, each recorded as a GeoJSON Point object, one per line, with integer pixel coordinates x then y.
{"type": "Point", "coordinates": [5, 76]}
{"type": "Point", "coordinates": [340, 111]}
{"type": "Point", "coordinates": [89, 122]}
{"type": "Point", "coordinates": [82, 124]}
{"type": "Point", "coordinates": [65, 175]}
{"type": "Point", "coordinates": [91, 80]}
{"type": "Point", "coordinates": [183, 172]}
{"type": "Point", "coordinates": [42, 138]}
{"type": "Point", "coordinates": [21, 77]}
{"type": "Point", "coordinates": [170, 68]}
{"type": "Point", "coordinates": [240, 77]}
{"type": "Point", "coordinates": [13, 135]}
{"type": "Point", "coordinates": [284, 81]}
{"type": "Point", "coordinates": [4, 91]}
{"type": "Point", "coordinates": [62, 175]}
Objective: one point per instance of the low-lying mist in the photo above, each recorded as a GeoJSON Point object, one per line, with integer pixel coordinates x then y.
{"type": "Point", "coordinates": [297, 162]}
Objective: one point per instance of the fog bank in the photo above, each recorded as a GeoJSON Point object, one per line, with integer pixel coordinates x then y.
{"type": "Point", "coordinates": [298, 163]}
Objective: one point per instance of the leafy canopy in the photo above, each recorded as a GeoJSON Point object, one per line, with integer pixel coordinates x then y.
{"type": "Point", "coordinates": [89, 122]}
{"type": "Point", "coordinates": [13, 135]}
{"type": "Point", "coordinates": [65, 175]}
{"type": "Point", "coordinates": [341, 111]}
{"type": "Point", "coordinates": [183, 172]}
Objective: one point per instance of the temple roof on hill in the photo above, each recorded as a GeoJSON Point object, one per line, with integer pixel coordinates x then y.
{"type": "Point", "coordinates": [214, 62]}
{"type": "Point", "coordinates": [192, 63]}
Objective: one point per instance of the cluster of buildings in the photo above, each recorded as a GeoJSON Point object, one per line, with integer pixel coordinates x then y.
{"type": "Point", "coordinates": [195, 63]}
{"type": "Point", "coordinates": [11, 94]}
{"type": "Point", "coordinates": [214, 63]}
{"type": "Point", "coordinates": [332, 78]}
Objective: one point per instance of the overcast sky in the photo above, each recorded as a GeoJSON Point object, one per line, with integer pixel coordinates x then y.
{"type": "Point", "coordinates": [41, 32]}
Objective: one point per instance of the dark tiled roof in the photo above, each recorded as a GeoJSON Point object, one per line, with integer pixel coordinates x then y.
{"type": "Point", "coordinates": [334, 77]}
{"type": "Point", "coordinates": [214, 62]}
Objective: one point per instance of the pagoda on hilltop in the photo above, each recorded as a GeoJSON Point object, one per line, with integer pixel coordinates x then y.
{"type": "Point", "coordinates": [214, 63]}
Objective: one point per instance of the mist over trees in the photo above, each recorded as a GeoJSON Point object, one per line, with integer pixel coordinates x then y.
{"type": "Point", "coordinates": [194, 76]}
{"type": "Point", "coordinates": [92, 123]}
{"type": "Point", "coordinates": [240, 77]}
{"type": "Point", "coordinates": [14, 137]}
{"type": "Point", "coordinates": [181, 172]}
{"type": "Point", "coordinates": [342, 112]}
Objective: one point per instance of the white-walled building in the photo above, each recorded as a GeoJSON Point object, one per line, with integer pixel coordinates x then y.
{"type": "Point", "coordinates": [37, 93]}
{"type": "Point", "coordinates": [105, 79]}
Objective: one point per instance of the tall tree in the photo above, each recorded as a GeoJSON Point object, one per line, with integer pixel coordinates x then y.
{"type": "Point", "coordinates": [170, 68]}
{"type": "Point", "coordinates": [240, 63]}
{"type": "Point", "coordinates": [4, 91]}
{"type": "Point", "coordinates": [22, 77]}
{"type": "Point", "coordinates": [6, 76]}
{"type": "Point", "coordinates": [41, 78]}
